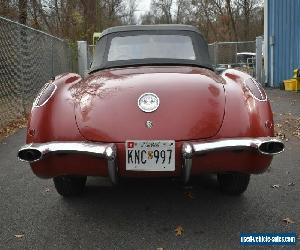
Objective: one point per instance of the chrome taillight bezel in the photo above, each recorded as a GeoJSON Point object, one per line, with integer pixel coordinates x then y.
{"type": "Point", "coordinates": [36, 102]}
{"type": "Point", "coordinates": [263, 95]}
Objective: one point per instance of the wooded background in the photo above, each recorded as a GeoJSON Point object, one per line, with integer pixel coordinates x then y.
{"type": "Point", "coordinates": [218, 20]}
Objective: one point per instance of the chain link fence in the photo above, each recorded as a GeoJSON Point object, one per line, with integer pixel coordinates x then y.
{"type": "Point", "coordinates": [240, 55]}
{"type": "Point", "coordinates": [28, 59]}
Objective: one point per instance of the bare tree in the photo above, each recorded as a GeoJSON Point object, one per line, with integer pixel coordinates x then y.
{"type": "Point", "coordinates": [89, 15]}
{"type": "Point", "coordinates": [147, 18]}
{"type": "Point", "coordinates": [219, 20]}
{"type": "Point", "coordinates": [130, 10]}
{"type": "Point", "coordinates": [22, 11]}
{"type": "Point", "coordinates": [4, 7]}
{"type": "Point", "coordinates": [232, 18]}
{"type": "Point", "coordinates": [162, 10]}
{"type": "Point", "coordinates": [34, 12]}
{"type": "Point", "coordinates": [247, 9]}
{"type": "Point", "coordinates": [184, 11]}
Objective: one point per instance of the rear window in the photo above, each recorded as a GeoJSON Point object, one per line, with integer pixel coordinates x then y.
{"type": "Point", "coordinates": [151, 46]}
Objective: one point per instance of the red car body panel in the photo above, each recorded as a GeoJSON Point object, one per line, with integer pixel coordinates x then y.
{"type": "Point", "coordinates": [191, 105]}
{"type": "Point", "coordinates": [196, 105]}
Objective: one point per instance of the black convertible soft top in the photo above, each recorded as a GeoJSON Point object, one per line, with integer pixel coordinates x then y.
{"type": "Point", "coordinates": [100, 60]}
{"type": "Point", "coordinates": [177, 27]}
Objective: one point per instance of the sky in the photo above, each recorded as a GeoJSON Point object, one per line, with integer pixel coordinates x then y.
{"type": "Point", "coordinates": [143, 6]}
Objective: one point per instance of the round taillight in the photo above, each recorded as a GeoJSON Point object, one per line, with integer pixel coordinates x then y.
{"type": "Point", "coordinates": [255, 89]}
{"type": "Point", "coordinates": [44, 95]}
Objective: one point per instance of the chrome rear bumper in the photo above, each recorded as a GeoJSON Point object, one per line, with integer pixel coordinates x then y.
{"type": "Point", "coordinates": [263, 145]}
{"type": "Point", "coordinates": [37, 151]}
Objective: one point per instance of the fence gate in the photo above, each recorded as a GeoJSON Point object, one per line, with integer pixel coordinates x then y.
{"type": "Point", "coordinates": [240, 55]}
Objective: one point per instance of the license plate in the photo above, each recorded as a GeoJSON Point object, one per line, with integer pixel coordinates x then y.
{"type": "Point", "coordinates": [150, 155]}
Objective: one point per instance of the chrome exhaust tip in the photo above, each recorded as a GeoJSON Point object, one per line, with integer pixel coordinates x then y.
{"type": "Point", "coordinates": [37, 151]}
{"type": "Point", "coordinates": [271, 147]}
{"type": "Point", "coordinates": [29, 154]}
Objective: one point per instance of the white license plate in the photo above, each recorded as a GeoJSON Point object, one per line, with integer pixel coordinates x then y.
{"type": "Point", "coordinates": [150, 155]}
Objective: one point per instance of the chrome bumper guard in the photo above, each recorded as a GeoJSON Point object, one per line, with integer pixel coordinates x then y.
{"type": "Point", "coordinates": [37, 151]}
{"type": "Point", "coordinates": [263, 145]}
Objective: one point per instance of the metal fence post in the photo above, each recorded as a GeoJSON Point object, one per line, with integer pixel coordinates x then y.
{"type": "Point", "coordinates": [236, 51]}
{"type": "Point", "coordinates": [259, 58]}
{"type": "Point", "coordinates": [52, 61]}
{"type": "Point", "coordinates": [216, 53]}
{"type": "Point", "coordinates": [82, 57]}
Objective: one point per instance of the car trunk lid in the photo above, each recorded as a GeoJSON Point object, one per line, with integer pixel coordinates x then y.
{"type": "Point", "coordinates": [192, 102]}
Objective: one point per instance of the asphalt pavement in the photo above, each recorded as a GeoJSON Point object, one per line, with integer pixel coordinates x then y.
{"type": "Point", "coordinates": [143, 214]}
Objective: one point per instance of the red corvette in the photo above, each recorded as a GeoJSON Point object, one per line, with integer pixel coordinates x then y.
{"type": "Point", "coordinates": [151, 106]}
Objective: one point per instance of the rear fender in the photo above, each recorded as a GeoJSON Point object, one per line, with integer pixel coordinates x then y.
{"type": "Point", "coordinates": [55, 120]}
{"type": "Point", "coordinates": [245, 114]}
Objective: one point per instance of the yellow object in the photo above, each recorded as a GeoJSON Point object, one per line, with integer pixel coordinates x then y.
{"type": "Point", "coordinates": [292, 84]}
{"type": "Point", "coordinates": [96, 36]}
{"type": "Point", "coordinates": [296, 73]}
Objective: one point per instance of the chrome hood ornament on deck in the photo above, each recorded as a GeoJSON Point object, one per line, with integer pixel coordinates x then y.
{"type": "Point", "coordinates": [148, 102]}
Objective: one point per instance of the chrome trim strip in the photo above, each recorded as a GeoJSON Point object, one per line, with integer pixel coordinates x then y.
{"type": "Point", "coordinates": [107, 151]}
{"type": "Point", "coordinates": [187, 153]}
{"type": "Point", "coordinates": [111, 156]}
{"type": "Point", "coordinates": [190, 149]}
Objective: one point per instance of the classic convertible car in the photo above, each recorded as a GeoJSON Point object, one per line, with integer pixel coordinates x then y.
{"type": "Point", "coordinates": [151, 106]}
